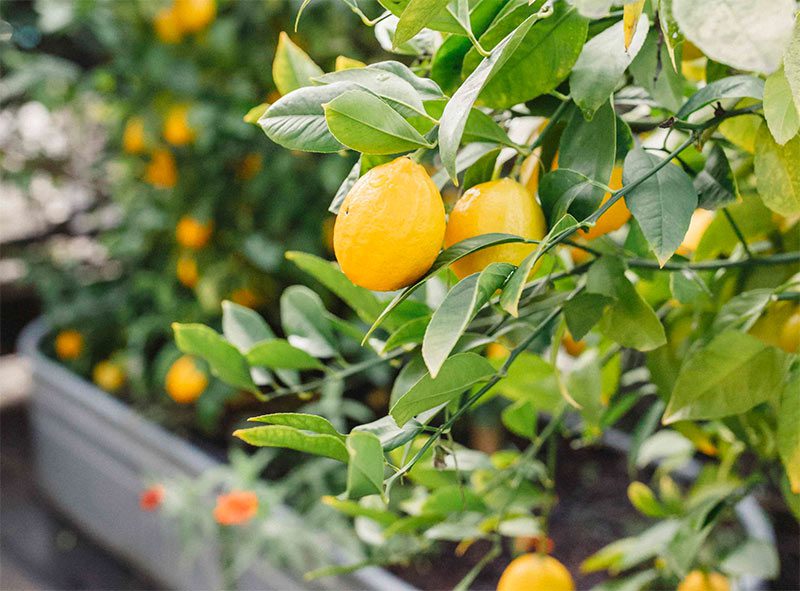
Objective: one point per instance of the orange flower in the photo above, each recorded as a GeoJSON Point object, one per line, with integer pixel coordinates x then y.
{"type": "Point", "coordinates": [236, 507]}
{"type": "Point", "coordinates": [151, 498]}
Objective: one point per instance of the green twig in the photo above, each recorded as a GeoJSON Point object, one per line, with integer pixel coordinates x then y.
{"type": "Point", "coordinates": [737, 231]}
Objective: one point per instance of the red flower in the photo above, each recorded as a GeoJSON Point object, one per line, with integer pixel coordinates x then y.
{"type": "Point", "coordinates": [151, 498]}
{"type": "Point", "coordinates": [236, 507]}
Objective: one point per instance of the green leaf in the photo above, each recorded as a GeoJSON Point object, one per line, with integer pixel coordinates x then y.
{"type": "Point", "coordinates": [733, 87]}
{"type": "Point", "coordinates": [643, 498]}
{"type": "Point", "coordinates": [480, 126]}
{"type": "Point", "coordinates": [452, 499]}
{"type": "Point", "coordinates": [601, 64]}
{"type": "Point", "coordinates": [365, 468]}
{"type": "Point", "coordinates": [629, 320]}
{"type": "Point", "coordinates": [354, 509]}
{"type": "Point", "coordinates": [716, 183]}
{"type": "Point", "coordinates": [779, 108]}
{"type": "Point", "coordinates": [416, 15]}
{"type": "Point", "coordinates": [254, 114]}
{"type": "Point", "coordinates": [520, 418]}
{"type": "Point", "coordinates": [410, 333]}
{"type": "Point", "coordinates": [225, 360]}
{"type": "Point", "coordinates": [584, 385]}
{"type": "Point", "coordinates": [729, 376]}
{"type": "Point", "coordinates": [457, 310]}
{"type": "Point", "coordinates": [305, 322]}
{"type": "Point", "coordinates": [663, 204]}
{"type": "Point", "coordinates": [292, 68]}
{"type": "Point", "coordinates": [791, 63]}
{"type": "Point", "coordinates": [512, 292]}
{"type": "Point", "coordinates": [457, 374]}
{"type": "Point", "coordinates": [445, 258]}
{"type": "Point", "coordinates": [427, 88]}
{"type": "Point", "coordinates": [541, 61]}
{"type": "Point", "coordinates": [302, 421]}
{"type": "Point", "coordinates": [320, 444]}
{"type": "Point", "coordinates": [652, 71]}
{"type": "Point", "coordinates": [362, 121]}
{"type": "Point", "coordinates": [362, 301]}
{"type": "Point", "coordinates": [297, 120]}
{"type": "Point", "coordinates": [788, 436]}
{"type": "Point", "coordinates": [741, 311]}
{"type": "Point", "coordinates": [589, 148]}
{"type": "Point", "coordinates": [559, 188]}
{"type": "Point", "coordinates": [454, 118]}
{"type": "Point", "coordinates": [243, 327]}
{"type": "Point", "coordinates": [442, 21]}
{"type": "Point", "coordinates": [583, 311]}
{"type": "Point", "coordinates": [279, 354]}
{"type": "Point", "coordinates": [392, 436]}
{"type": "Point", "coordinates": [670, 31]}
{"type": "Point", "coordinates": [754, 558]}
{"type": "Point", "coordinates": [749, 35]}
{"type": "Point", "coordinates": [777, 172]}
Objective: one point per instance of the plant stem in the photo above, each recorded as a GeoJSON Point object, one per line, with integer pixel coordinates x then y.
{"type": "Point", "coordinates": [783, 258]}
{"type": "Point", "coordinates": [737, 231]}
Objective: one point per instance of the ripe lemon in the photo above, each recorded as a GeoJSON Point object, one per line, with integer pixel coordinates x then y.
{"type": "Point", "coordinates": [790, 333]}
{"type": "Point", "coordinates": [250, 166]}
{"type": "Point", "coordinates": [69, 344]}
{"type": "Point", "coordinates": [390, 226]}
{"type": "Point", "coordinates": [246, 297]}
{"type": "Point", "coordinates": [701, 219]}
{"type": "Point", "coordinates": [133, 136]}
{"type": "Point", "coordinates": [701, 581]}
{"type": "Point", "coordinates": [535, 572]}
{"type": "Point", "coordinates": [571, 346]}
{"type": "Point", "coordinates": [108, 375]}
{"type": "Point", "coordinates": [615, 217]}
{"type": "Point", "coordinates": [176, 126]}
{"type": "Point", "coordinates": [162, 171]}
{"type": "Point", "coordinates": [192, 233]}
{"type": "Point", "coordinates": [167, 25]}
{"type": "Point", "coordinates": [496, 206]}
{"type": "Point", "coordinates": [186, 271]}
{"type": "Point", "coordinates": [185, 381]}
{"type": "Point", "coordinates": [779, 326]}
{"type": "Point", "coordinates": [195, 15]}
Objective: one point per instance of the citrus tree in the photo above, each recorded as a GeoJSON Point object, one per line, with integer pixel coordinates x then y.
{"type": "Point", "coordinates": [586, 211]}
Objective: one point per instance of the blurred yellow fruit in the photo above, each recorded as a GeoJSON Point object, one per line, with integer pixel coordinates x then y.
{"type": "Point", "coordinates": [579, 255]}
{"type": "Point", "coordinates": [167, 25]}
{"type": "Point", "coordinates": [69, 344]}
{"type": "Point", "coordinates": [779, 326]}
{"type": "Point", "coordinates": [162, 172]}
{"type": "Point", "coordinates": [195, 15]}
{"type": "Point", "coordinates": [535, 572]}
{"type": "Point", "coordinates": [496, 206]}
{"type": "Point", "coordinates": [245, 297]}
{"type": "Point", "coordinates": [250, 166]}
{"type": "Point", "coordinates": [390, 226]}
{"type": "Point", "coordinates": [133, 136]}
{"type": "Point", "coordinates": [571, 346]}
{"type": "Point", "coordinates": [617, 215]}
{"type": "Point", "coordinates": [691, 51]}
{"type": "Point", "coordinates": [186, 271]}
{"type": "Point", "coordinates": [176, 126]}
{"type": "Point", "coordinates": [108, 375]}
{"type": "Point", "coordinates": [185, 381]}
{"type": "Point", "coordinates": [790, 333]}
{"type": "Point", "coordinates": [702, 581]}
{"type": "Point", "coordinates": [701, 219]}
{"type": "Point", "coordinates": [192, 233]}
{"type": "Point", "coordinates": [496, 351]}
{"type": "Point", "coordinates": [327, 232]}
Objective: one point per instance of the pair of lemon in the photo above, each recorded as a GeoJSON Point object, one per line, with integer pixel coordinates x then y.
{"type": "Point", "coordinates": [392, 224]}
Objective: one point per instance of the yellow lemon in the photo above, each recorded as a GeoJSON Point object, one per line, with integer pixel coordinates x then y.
{"type": "Point", "coordinates": [617, 214]}
{"type": "Point", "coordinates": [167, 25]}
{"type": "Point", "coordinates": [245, 297]}
{"type": "Point", "coordinates": [571, 346]}
{"type": "Point", "coordinates": [779, 326]}
{"type": "Point", "coordinates": [195, 15]}
{"type": "Point", "coordinates": [176, 126]}
{"type": "Point", "coordinates": [108, 375]}
{"type": "Point", "coordinates": [186, 271]}
{"type": "Point", "coordinates": [185, 382]}
{"type": "Point", "coordinates": [133, 141]}
{"type": "Point", "coordinates": [390, 226]}
{"type": "Point", "coordinates": [69, 344]}
{"type": "Point", "coordinates": [701, 219]}
{"type": "Point", "coordinates": [790, 333]}
{"type": "Point", "coordinates": [250, 166]}
{"type": "Point", "coordinates": [701, 581]}
{"type": "Point", "coordinates": [535, 572]}
{"type": "Point", "coordinates": [192, 233]}
{"type": "Point", "coordinates": [496, 206]}
{"type": "Point", "coordinates": [162, 172]}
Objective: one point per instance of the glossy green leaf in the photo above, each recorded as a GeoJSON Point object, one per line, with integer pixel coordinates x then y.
{"type": "Point", "coordinates": [362, 121]}
{"type": "Point", "coordinates": [457, 310]}
{"type": "Point", "coordinates": [355, 509]}
{"type": "Point", "coordinates": [663, 204]}
{"type": "Point", "coordinates": [410, 333]}
{"type": "Point", "coordinates": [304, 320]}
{"type": "Point", "coordinates": [732, 87]}
{"type": "Point", "coordinates": [225, 360]}
{"type": "Point", "coordinates": [442, 21]}
{"type": "Point", "coordinates": [788, 436]}
{"type": "Point", "coordinates": [243, 327]}
{"type": "Point", "coordinates": [749, 35]}
{"type": "Point", "coordinates": [559, 188]}
{"type": "Point", "coordinates": [480, 127]}
{"type": "Point", "coordinates": [791, 63]}
{"type": "Point", "coordinates": [716, 183]}
{"type": "Point", "coordinates": [320, 444]}
{"type": "Point", "coordinates": [777, 172]}
{"type": "Point", "coordinates": [304, 422]}
{"type": "Point", "coordinates": [780, 111]}
{"type": "Point", "coordinates": [584, 311]}
{"type": "Point", "coordinates": [415, 17]}
{"type": "Point", "coordinates": [279, 354]}
{"type": "Point", "coordinates": [628, 320]}
{"type": "Point", "coordinates": [601, 64]}
{"type": "Point", "coordinates": [729, 376]}
{"type": "Point", "coordinates": [754, 558]}
{"type": "Point", "coordinates": [391, 436]}
{"type": "Point", "coordinates": [292, 68]}
{"type": "Point", "coordinates": [365, 468]}
{"type": "Point", "coordinates": [457, 374]}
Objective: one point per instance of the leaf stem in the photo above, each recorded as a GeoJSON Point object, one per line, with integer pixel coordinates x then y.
{"type": "Point", "coordinates": [737, 231]}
